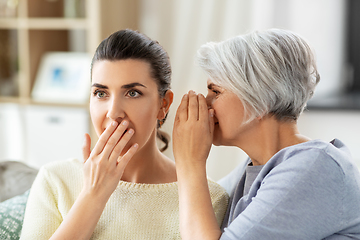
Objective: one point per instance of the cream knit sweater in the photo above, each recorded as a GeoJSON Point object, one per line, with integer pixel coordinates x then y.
{"type": "Point", "coordinates": [134, 211]}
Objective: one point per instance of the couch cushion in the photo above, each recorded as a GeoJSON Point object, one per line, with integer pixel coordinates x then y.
{"type": "Point", "coordinates": [12, 216]}
{"type": "Point", "coordinates": [15, 178]}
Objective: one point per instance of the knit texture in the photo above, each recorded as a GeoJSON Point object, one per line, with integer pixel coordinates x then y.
{"type": "Point", "coordinates": [134, 210]}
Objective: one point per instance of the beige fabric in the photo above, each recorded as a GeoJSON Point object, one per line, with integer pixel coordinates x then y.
{"type": "Point", "coordinates": [134, 211]}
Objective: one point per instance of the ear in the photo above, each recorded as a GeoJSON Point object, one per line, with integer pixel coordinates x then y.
{"type": "Point", "coordinates": [166, 102]}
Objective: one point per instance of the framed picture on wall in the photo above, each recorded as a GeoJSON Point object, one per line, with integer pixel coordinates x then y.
{"type": "Point", "coordinates": [63, 77]}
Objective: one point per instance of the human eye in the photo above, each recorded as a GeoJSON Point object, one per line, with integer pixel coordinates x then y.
{"type": "Point", "coordinates": [214, 91]}
{"type": "Point", "coordinates": [217, 92]}
{"type": "Point", "coordinates": [99, 93]}
{"type": "Point", "coordinates": [133, 93]}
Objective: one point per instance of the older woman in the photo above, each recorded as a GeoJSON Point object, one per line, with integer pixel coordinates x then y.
{"type": "Point", "coordinates": [291, 187]}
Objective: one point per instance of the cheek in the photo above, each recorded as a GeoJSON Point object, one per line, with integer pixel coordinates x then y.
{"type": "Point", "coordinates": [97, 115]}
{"type": "Point", "coordinates": [145, 117]}
{"type": "Point", "coordinates": [227, 117]}
{"type": "Point", "coordinates": [220, 110]}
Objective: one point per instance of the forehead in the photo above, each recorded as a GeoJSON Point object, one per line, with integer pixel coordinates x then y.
{"type": "Point", "coordinates": [122, 72]}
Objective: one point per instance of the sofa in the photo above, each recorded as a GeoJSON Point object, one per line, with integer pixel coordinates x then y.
{"type": "Point", "coordinates": [16, 179]}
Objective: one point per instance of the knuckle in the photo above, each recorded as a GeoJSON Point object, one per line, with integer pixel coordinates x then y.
{"type": "Point", "coordinates": [117, 150]}
{"type": "Point", "coordinates": [97, 161]}
{"type": "Point", "coordinates": [111, 141]}
{"type": "Point", "coordinates": [102, 141]}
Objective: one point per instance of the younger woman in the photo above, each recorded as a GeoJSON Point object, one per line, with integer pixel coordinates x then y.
{"type": "Point", "coordinates": [126, 188]}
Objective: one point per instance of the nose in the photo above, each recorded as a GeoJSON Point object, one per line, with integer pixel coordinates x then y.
{"type": "Point", "coordinates": [115, 111]}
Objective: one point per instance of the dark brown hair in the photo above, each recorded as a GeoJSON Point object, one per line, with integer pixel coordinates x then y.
{"type": "Point", "coordinates": [130, 44]}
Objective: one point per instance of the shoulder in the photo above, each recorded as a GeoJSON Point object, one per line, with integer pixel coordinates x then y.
{"type": "Point", "coordinates": [314, 154]}
{"type": "Point", "coordinates": [67, 164]}
{"type": "Point", "coordinates": [60, 172]}
{"type": "Point", "coordinates": [62, 167]}
{"type": "Point", "coordinates": [315, 162]}
{"type": "Point", "coordinates": [216, 190]}
{"type": "Point", "coordinates": [59, 181]}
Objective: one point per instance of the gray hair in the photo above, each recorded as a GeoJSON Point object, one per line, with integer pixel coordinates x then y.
{"type": "Point", "coordinates": [272, 72]}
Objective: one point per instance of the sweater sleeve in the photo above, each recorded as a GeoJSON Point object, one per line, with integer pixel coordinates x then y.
{"type": "Point", "coordinates": [302, 198]}
{"type": "Point", "coordinates": [42, 216]}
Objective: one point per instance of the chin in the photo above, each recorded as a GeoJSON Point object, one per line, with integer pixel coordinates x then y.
{"type": "Point", "coordinates": [217, 136]}
{"type": "Point", "coordinates": [126, 148]}
{"type": "Point", "coordinates": [216, 141]}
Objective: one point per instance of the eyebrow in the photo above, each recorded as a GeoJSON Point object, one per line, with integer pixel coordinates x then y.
{"type": "Point", "coordinates": [99, 86]}
{"type": "Point", "coordinates": [211, 85]}
{"type": "Point", "coordinates": [131, 85]}
{"type": "Point", "coordinates": [126, 86]}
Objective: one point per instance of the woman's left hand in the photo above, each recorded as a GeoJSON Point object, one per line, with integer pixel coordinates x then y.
{"type": "Point", "coordinates": [193, 130]}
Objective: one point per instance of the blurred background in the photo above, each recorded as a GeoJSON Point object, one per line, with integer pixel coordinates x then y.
{"type": "Point", "coordinates": [43, 98]}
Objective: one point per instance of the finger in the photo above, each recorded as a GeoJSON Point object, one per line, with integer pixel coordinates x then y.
{"type": "Point", "coordinates": [86, 147]}
{"type": "Point", "coordinates": [203, 109]}
{"type": "Point", "coordinates": [182, 111]}
{"type": "Point", "coordinates": [104, 137]}
{"type": "Point", "coordinates": [121, 145]}
{"type": "Point", "coordinates": [114, 139]}
{"type": "Point", "coordinates": [193, 106]}
{"type": "Point", "coordinates": [124, 160]}
{"type": "Point", "coordinates": [211, 121]}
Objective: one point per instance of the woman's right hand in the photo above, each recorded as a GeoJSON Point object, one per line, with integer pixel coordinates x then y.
{"type": "Point", "coordinates": [193, 131]}
{"type": "Point", "coordinates": [103, 169]}
{"type": "Point", "coordinates": [104, 165]}
{"type": "Point", "coordinates": [192, 139]}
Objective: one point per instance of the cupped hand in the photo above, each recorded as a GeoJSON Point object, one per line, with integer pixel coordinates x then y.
{"type": "Point", "coordinates": [193, 131]}
{"type": "Point", "coordinates": [104, 165]}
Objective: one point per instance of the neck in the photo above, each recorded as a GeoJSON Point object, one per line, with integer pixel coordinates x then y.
{"type": "Point", "coordinates": [268, 136]}
{"type": "Point", "coordinates": [149, 165]}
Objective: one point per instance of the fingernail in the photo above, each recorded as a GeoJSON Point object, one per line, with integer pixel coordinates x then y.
{"type": "Point", "coordinates": [124, 122]}
{"type": "Point", "coordinates": [114, 123]}
{"type": "Point", "coordinates": [131, 131]}
{"type": "Point", "coordinates": [136, 145]}
{"type": "Point", "coordinates": [211, 113]}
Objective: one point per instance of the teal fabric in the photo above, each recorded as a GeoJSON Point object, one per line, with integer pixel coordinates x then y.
{"type": "Point", "coordinates": [12, 216]}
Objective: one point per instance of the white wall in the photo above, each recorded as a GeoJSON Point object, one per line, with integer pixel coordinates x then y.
{"type": "Point", "coordinates": [321, 22]}
{"type": "Point", "coordinates": [327, 125]}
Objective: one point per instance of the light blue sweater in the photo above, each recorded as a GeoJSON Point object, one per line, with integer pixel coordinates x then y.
{"type": "Point", "coordinates": [307, 191]}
